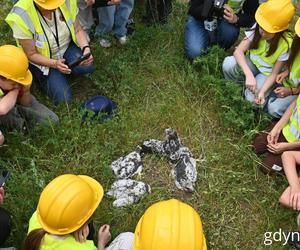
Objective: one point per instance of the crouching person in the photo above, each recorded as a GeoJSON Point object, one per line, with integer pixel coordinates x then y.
{"type": "Point", "coordinates": [18, 108]}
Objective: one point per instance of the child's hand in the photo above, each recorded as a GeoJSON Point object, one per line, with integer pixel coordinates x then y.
{"type": "Point", "coordinates": [282, 92]}
{"type": "Point", "coordinates": [280, 77]}
{"type": "Point", "coordinates": [250, 83]}
{"type": "Point", "coordinates": [278, 148]}
{"type": "Point", "coordinates": [104, 235]}
{"type": "Point", "coordinates": [260, 99]}
{"type": "Point", "coordinates": [295, 198]}
{"type": "Point", "coordinates": [273, 136]}
{"type": "Point", "coordinates": [82, 233]}
{"type": "Point", "coordinates": [1, 195]}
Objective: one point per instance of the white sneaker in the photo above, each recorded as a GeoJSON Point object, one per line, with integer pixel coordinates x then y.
{"type": "Point", "coordinates": [104, 43]}
{"type": "Point", "coordinates": [122, 40]}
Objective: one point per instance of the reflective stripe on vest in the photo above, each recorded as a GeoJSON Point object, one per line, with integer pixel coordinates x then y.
{"type": "Point", "coordinates": [294, 77]}
{"type": "Point", "coordinates": [259, 56]}
{"type": "Point", "coordinates": [236, 5]}
{"type": "Point", "coordinates": [291, 131]}
{"type": "Point", "coordinates": [25, 16]}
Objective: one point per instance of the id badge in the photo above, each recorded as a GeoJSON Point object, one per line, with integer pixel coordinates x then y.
{"type": "Point", "coordinates": [210, 25]}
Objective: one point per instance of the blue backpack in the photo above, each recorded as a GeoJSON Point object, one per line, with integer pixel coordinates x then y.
{"type": "Point", "coordinates": [98, 109]}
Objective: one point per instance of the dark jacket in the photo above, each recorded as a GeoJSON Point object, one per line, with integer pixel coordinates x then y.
{"type": "Point", "coordinates": [246, 15]}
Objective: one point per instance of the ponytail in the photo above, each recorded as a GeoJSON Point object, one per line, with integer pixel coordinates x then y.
{"type": "Point", "coordinates": [33, 239]}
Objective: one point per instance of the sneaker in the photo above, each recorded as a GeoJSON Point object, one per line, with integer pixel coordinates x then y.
{"type": "Point", "coordinates": [122, 40]}
{"type": "Point", "coordinates": [294, 239]}
{"type": "Point", "coordinates": [104, 43]}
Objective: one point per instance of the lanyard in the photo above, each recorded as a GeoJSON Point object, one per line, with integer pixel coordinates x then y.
{"type": "Point", "coordinates": [56, 29]}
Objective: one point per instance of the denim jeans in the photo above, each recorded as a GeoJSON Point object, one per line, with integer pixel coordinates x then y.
{"type": "Point", "coordinates": [278, 105]}
{"type": "Point", "coordinates": [196, 37]}
{"type": "Point", "coordinates": [114, 18]}
{"type": "Point", "coordinates": [232, 71]}
{"type": "Point", "coordinates": [21, 117]}
{"type": "Point", "coordinates": [56, 84]}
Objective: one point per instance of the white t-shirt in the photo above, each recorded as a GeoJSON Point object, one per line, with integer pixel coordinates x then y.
{"type": "Point", "coordinates": [64, 35]}
{"type": "Point", "coordinates": [250, 35]}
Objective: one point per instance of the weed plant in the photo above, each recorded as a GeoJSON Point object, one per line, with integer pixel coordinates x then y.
{"type": "Point", "coordinates": [155, 87]}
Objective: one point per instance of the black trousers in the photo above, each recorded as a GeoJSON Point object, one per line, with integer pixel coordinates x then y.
{"type": "Point", "coordinates": [5, 225]}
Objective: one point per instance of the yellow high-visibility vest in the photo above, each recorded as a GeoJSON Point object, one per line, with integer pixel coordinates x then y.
{"type": "Point", "coordinates": [25, 16]}
{"type": "Point", "coordinates": [294, 77]}
{"type": "Point", "coordinates": [259, 56]}
{"type": "Point", "coordinates": [291, 131]}
{"type": "Point", "coordinates": [52, 242]}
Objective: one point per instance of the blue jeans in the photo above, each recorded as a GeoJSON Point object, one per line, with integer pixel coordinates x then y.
{"type": "Point", "coordinates": [196, 37]}
{"type": "Point", "coordinates": [56, 84]}
{"type": "Point", "coordinates": [114, 18]}
{"type": "Point", "coordinates": [232, 71]}
{"type": "Point", "coordinates": [278, 105]}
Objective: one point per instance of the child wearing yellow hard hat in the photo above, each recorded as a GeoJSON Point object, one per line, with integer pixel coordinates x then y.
{"type": "Point", "coordinates": [285, 135]}
{"type": "Point", "coordinates": [161, 225]}
{"type": "Point", "coordinates": [61, 221]}
{"type": "Point", "coordinates": [18, 108]}
{"type": "Point", "coordinates": [263, 52]}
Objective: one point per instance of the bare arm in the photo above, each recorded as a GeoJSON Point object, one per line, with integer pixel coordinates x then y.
{"type": "Point", "coordinates": [8, 101]}
{"type": "Point", "coordinates": [275, 132]}
{"type": "Point", "coordinates": [240, 57]}
{"type": "Point", "coordinates": [28, 46]}
{"type": "Point", "coordinates": [82, 41]}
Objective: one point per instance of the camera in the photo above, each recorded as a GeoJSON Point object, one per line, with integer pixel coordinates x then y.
{"type": "Point", "coordinates": [213, 9]}
{"type": "Point", "coordinates": [218, 8]}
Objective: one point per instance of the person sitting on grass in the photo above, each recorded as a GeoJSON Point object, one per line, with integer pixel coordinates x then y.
{"type": "Point", "coordinates": [62, 220]}
{"type": "Point", "coordinates": [18, 108]}
{"type": "Point", "coordinates": [280, 137]}
{"type": "Point", "coordinates": [261, 54]}
{"type": "Point", "coordinates": [288, 81]}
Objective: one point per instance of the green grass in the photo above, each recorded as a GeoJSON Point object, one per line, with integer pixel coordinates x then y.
{"type": "Point", "coordinates": [155, 88]}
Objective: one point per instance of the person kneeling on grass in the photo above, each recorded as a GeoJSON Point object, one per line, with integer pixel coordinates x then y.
{"type": "Point", "coordinates": [62, 220]}
{"type": "Point", "coordinates": [281, 137]}
{"type": "Point", "coordinates": [18, 108]}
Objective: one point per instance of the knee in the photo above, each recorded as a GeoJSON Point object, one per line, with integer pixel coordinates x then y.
{"type": "Point", "coordinates": [287, 155]}
{"type": "Point", "coordinates": [193, 51]}
{"type": "Point", "coordinates": [228, 64]}
{"type": "Point", "coordinates": [249, 96]}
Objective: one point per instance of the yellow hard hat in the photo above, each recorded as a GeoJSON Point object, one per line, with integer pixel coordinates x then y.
{"type": "Point", "coordinates": [67, 202]}
{"type": "Point", "coordinates": [169, 225]}
{"type": "Point", "coordinates": [14, 64]}
{"type": "Point", "coordinates": [274, 15]}
{"type": "Point", "coordinates": [297, 27]}
{"type": "Point", "coordinates": [49, 4]}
